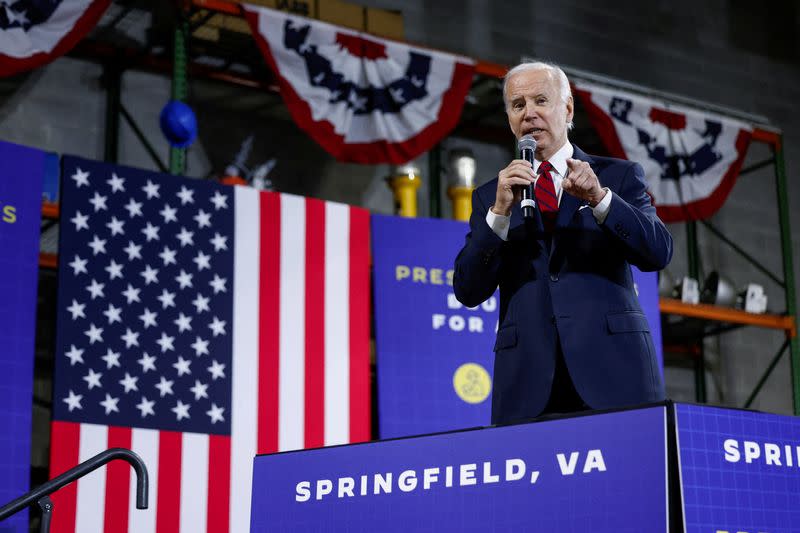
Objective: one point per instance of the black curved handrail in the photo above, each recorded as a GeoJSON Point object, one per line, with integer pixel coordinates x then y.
{"type": "Point", "coordinates": [79, 471]}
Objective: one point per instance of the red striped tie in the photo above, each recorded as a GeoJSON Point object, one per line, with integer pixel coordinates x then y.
{"type": "Point", "coordinates": [546, 197]}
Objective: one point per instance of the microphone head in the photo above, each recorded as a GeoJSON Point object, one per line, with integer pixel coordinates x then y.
{"type": "Point", "coordinates": [527, 142]}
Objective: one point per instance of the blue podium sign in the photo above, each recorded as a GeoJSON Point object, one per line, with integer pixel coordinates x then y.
{"type": "Point", "coordinates": [740, 470]}
{"type": "Point", "coordinates": [601, 473]}
{"type": "Point", "coordinates": [434, 356]}
{"type": "Point", "coordinates": [21, 178]}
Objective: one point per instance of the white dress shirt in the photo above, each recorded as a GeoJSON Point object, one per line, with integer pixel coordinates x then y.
{"type": "Point", "coordinates": [500, 223]}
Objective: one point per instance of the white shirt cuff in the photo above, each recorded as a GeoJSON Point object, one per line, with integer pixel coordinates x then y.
{"type": "Point", "coordinates": [499, 223]}
{"type": "Point", "coordinates": [600, 211]}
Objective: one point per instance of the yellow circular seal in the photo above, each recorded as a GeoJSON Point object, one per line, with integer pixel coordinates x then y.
{"type": "Point", "coordinates": [472, 383]}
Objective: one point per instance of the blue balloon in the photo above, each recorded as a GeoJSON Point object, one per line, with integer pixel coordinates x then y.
{"type": "Point", "coordinates": [178, 124]}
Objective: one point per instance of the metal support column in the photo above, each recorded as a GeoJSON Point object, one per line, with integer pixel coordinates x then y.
{"type": "Point", "coordinates": [435, 181]}
{"type": "Point", "coordinates": [693, 255]}
{"type": "Point", "coordinates": [788, 269]}
{"type": "Point", "coordinates": [112, 79]}
{"type": "Point", "coordinates": [177, 156]}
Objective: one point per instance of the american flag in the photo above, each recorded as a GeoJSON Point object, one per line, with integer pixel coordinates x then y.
{"type": "Point", "coordinates": [199, 325]}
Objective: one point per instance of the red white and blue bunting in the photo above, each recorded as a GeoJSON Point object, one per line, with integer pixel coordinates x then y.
{"type": "Point", "coordinates": [691, 158]}
{"type": "Point", "coordinates": [362, 98]}
{"type": "Point", "coordinates": [34, 33]}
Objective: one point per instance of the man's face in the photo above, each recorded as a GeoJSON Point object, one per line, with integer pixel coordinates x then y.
{"type": "Point", "coordinates": [535, 106]}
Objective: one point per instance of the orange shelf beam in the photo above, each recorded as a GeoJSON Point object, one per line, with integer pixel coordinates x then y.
{"type": "Point", "coordinates": [48, 260]}
{"type": "Point", "coordinates": [726, 314]}
{"type": "Point", "coordinates": [50, 210]}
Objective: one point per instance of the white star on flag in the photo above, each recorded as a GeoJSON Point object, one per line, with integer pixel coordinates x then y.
{"type": "Point", "coordinates": [93, 379]}
{"type": "Point", "coordinates": [94, 333]}
{"type": "Point", "coordinates": [186, 196]}
{"type": "Point", "coordinates": [73, 401]}
{"type": "Point", "coordinates": [81, 221]}
{"type": "Point", "coordinates": [181, 410]}
{"type": "Point", "coordinates": [131, 294]}
{"type": "Point", "coordinates": [184, 279]}
{"type": "Point", "coordinates": [219, 200]}
{"type": "Point", "coordinates": [186, 237]}
{"type": "Point", "coordinates": [218, 284]}
{"type": "Point", "coordinates": [98, 245]}
{"type": "Point", "coordinates": [114, 270]}
{"type": "Point", "coordinates": [116, 226]}
{"type": "Point", "coordinates": [148, 318]}
{"type": "Point", "coordinates": [148, 362]}
{"type": "Point", "coordinates": [116, 183]}
{"type": "Point", "coordinates": [200, 390]}
{"type": "Point", "coordinates": [168, 256]}
{"type": "Point", "coordinates": [146, 407]}
{"type": "Point", "coordinates": [183, 322]}
{"type": "Point", "coordinates": [217, 370]}
{"type": "Point", "coordinates": [99, 202]}
{"type": "Point", "coordinates": [133, 250]}
{"type": "Point", "coordinates": [111, 358]}
{"type": "Point", "coordinates": [134, 208]}
{"type": "Point", "coordinates": [77, 310]}
{"type": "Point", "coordinates": [75, 355]}
{"type": "Point", "coordinates": [203, 219]}
{"type": "Point", "coordinates": [129, 382]}
{"type": "Point", "coordinates": [110, 404]}
{"type": "Point", "coordinates": [151, 190]}
{"type": "Point", "coordinates": [79, 266]}
{"type": "Point", "coordinates": [168, 213]}
{"type": "Point", "coordinates": [114, 314]}
{"type": "Point", "coordinates": [96, 289]}
{"type": "Point", "coordinates": [131, 338]}
{"type": "Point", "coordinates": [200, 347]}
{"type": "Point", "coordinates": [181, 366]}
{"type": "Point", "coordinates": [164, 386]}
{"type": "Point", "coordinates": [217, 326]}
{"type": "Point", "coordinates": [81, 178]}
{"type": "Point", "coordinates": [216, 413]}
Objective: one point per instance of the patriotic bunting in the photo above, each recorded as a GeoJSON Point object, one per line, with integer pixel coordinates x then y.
{"type": "Point", "coordinates": [363, 99]}
{"type": "Point", "coordinates": [691, 158]}
{"type": "Point", "coordinates": [34, 33]}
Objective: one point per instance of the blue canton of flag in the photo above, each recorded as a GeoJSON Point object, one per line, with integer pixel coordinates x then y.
{"type": "Point", "coordinates": [145, 300]}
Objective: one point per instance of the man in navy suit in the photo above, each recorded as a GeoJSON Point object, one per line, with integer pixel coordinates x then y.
{"type": "Point", "coordinates": [572, 335]}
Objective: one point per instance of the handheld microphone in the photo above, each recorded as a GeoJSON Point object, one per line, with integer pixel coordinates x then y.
{"type": "Point", "coordinates": [527, 146]}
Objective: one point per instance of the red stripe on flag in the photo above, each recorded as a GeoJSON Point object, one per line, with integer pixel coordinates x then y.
{"type": "Point", "coordinates": [359, 326]}
{"type": "Point", "coordinates": [118, 483]}
{"type": "Point", "coordinates": [315, 324]}
{"type": "Point", "coordinates": [219, 483]}
{"type": "Point", "coordinates": [65, 438]}
{"type": "Point", "coordinates": [268, 321]}
{"type": "Point", "coordinates": [168, 507]}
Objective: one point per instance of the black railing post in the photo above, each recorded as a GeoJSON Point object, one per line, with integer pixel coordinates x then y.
{"type": "Point", "coordinates": [90, 465]}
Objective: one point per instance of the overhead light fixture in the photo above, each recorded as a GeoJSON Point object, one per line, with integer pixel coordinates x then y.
{"type": "Point", "coordinates": [718, 290]}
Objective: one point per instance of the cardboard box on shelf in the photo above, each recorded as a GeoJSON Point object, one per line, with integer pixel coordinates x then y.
{"type": "Point", "coordinates": [385, 23]}
{"type": "Point", "coordinates": [342, 13]}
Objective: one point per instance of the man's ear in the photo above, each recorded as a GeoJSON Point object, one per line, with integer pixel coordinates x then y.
{"type": "Point", "coordinates": [570, 109]}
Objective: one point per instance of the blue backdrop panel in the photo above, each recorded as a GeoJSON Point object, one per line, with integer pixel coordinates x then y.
{"type": "Point", "coordinates": [740, 470]}
{"type": "Point", "coordinates": [21, 176]}
{"type": "Point", "coordinates": [434, 357]}
{"type": "Point", "coordinates": [603, 473]}
{"type": "Point", "coordinates": [423, 335]}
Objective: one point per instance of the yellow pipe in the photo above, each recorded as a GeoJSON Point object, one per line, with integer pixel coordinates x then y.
{"type": "Point", "coordinates": [404, 187]}
{"type": "Point", "coordinates": [462, 201]}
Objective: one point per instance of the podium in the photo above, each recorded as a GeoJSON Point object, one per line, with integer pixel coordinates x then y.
{"type": "Point", "coordinates": [661, 467]}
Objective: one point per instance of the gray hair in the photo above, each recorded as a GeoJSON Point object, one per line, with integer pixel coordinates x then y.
{"type": "Point", "coordinates": [564, 89]}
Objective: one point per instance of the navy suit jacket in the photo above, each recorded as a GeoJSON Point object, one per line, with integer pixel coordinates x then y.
{"type": "Point", "coordinates": [575, 289]}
